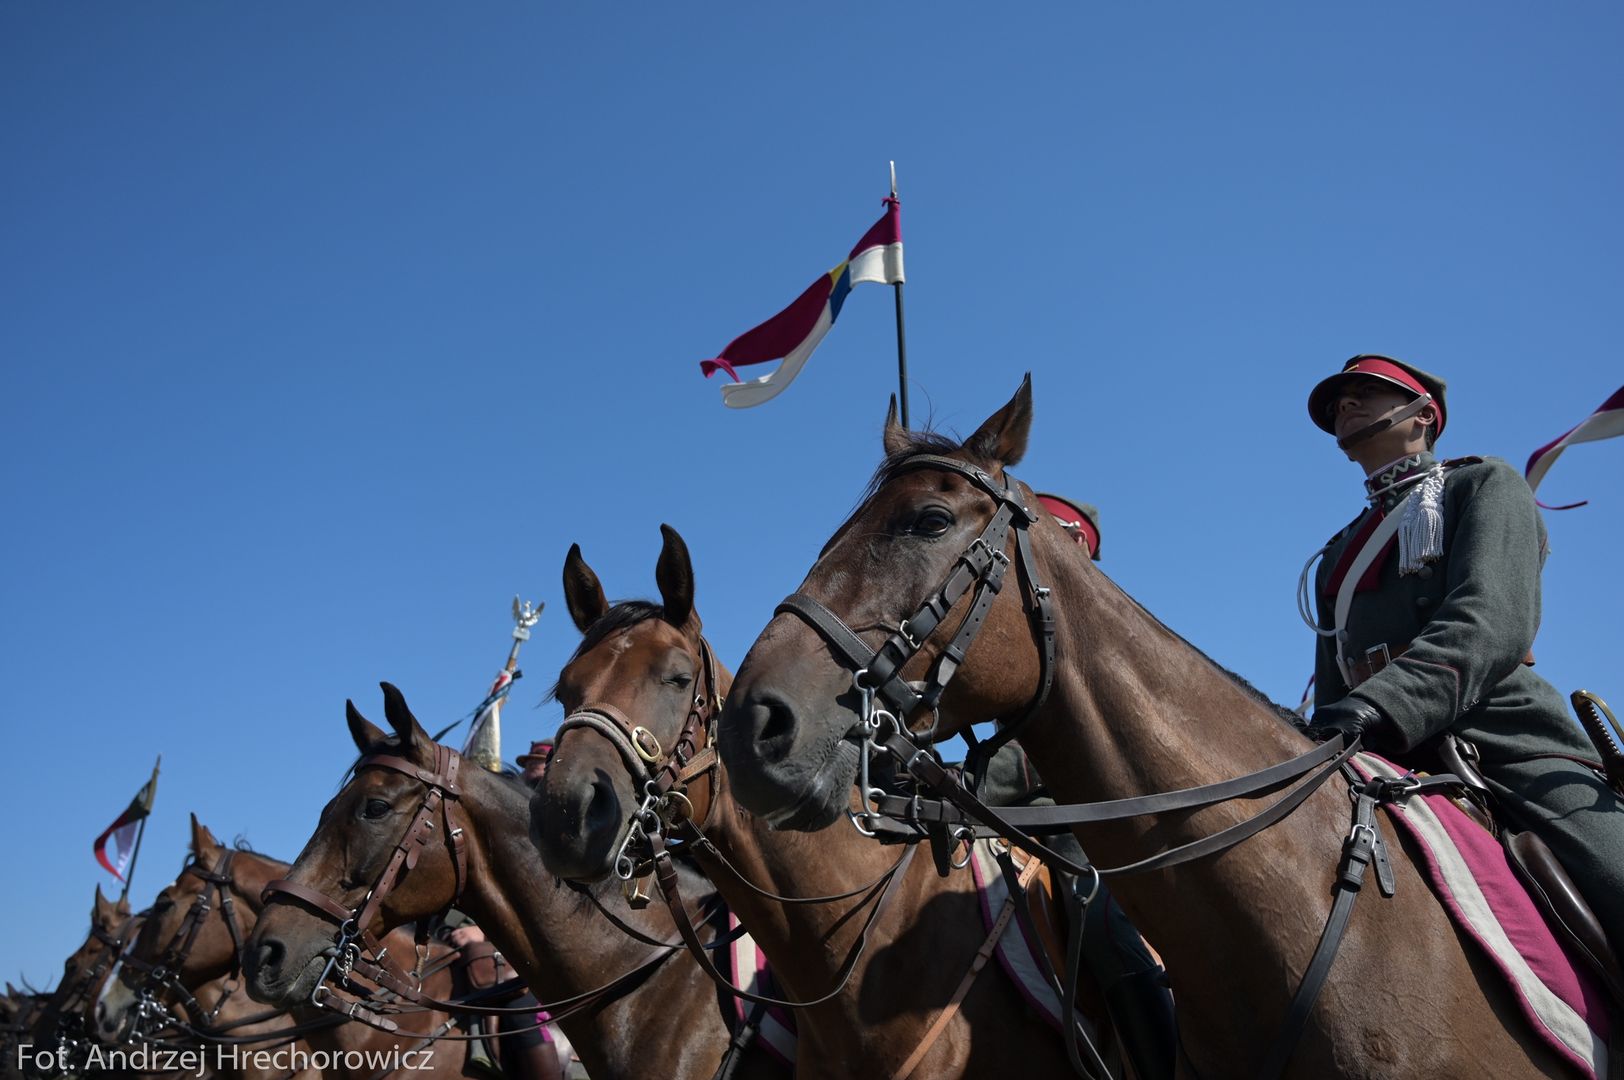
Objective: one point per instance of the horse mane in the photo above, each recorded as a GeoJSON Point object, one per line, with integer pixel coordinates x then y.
{"type": "Point", "coordinates": [623, 615]}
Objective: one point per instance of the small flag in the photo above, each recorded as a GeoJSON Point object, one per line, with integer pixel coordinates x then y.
{"type": "Point", "coordinates": [796, 331]}
{"type": "Point", "coordinates": [1605, 423]}
{"type": "Point", "coordinates": [124, 827]}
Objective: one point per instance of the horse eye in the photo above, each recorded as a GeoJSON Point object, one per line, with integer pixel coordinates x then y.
{"type": "Point", "coordinates": [932, 521]}
{"type": "Point", "coordinates": [680, 679]}
{"type": "Point", "coordinates": [375, 809]}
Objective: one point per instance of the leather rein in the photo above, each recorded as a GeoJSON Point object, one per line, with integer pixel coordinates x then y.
{"type": "Point", "coordinates": [887, 701]}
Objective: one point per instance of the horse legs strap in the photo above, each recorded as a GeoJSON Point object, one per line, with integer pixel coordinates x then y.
{"type": "Point", "coordinates": [1067, 991]}
{"type": "Point", "coordinates": [1028, 872]}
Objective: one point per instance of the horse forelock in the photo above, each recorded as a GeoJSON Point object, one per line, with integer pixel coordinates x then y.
{"type": "Point", "coordinates": [623, 615]}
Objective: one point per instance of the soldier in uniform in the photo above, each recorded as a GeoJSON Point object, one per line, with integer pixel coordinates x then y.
{"type": "Point", "coordinates": [1428, 605]}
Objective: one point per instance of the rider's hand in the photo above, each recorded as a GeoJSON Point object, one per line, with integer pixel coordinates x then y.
{"type": "Point", "coordinates": [1349, 718]}
{"type": "Point", "coordinates": [463, 936]}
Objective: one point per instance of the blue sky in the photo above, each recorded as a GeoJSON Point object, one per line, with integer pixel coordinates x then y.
{"type": "Point", "coordinates": [328, 328]}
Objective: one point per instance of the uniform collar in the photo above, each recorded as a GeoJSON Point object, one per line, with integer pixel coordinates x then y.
{"type": "Point", "coordinates": [1393, 481]}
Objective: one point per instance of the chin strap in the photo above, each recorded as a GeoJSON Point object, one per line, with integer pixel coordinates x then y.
{"type": "Point", "coordinates": [1385, 421]}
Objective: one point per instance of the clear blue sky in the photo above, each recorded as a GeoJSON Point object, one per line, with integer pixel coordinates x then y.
{"type": "Point", "coordinates": [327, 328]}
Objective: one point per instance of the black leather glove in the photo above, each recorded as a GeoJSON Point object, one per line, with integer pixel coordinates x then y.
{"type": "Point", "coordinates": [1350, 718]}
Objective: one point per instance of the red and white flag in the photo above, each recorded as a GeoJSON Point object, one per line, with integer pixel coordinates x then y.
{"type": "Point", "coordinates": [1605, 423]}
{"type": "Point", "coordinates": [796, 331]}
{"type": "Point", "coordinates": [124, 828]}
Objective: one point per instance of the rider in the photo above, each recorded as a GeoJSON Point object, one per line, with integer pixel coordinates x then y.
{"type": "Point", "coordinates": [1129, 975]}
{"type": "Point", "coordinates": [534, 764]}
{"type": "Point", "coordinates": [1426, 624]}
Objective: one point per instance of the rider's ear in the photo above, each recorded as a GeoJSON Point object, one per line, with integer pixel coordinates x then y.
{"type": "Point", "coordinates": [583, 593]}
{"type": "Point", "coordinates": [365, 733]}
{"type": "Point", "coordinates": [203, 841]}
{"type": "Point", "coordinates": [675, 575]}
{"type": "Point", "coordinates": [401, 719]}
{"type": "Point", "coordinates": [1003, 437]}
{"type": "Point", "coordinates": [896, 436]}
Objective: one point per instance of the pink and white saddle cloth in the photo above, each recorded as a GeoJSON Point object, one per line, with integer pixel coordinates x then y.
{"type": "Point", "coordinates": [749, 972]}
{"type": "Point", "coordinates": [1468, 871]}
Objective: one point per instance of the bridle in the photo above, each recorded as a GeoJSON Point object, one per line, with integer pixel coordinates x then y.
{"type": "Point", "coordinates": [71, 999]}
{"type": "Point", "coordinates": [888, 701]}
{"type": "Point", "coordinates": [440, 793]}
{"type": "Point", "coordinates": [165, 973]}
{"type": "Point", "coordinates": [667, 780]}
{"type": "Point", "coordinates": [355, 939]}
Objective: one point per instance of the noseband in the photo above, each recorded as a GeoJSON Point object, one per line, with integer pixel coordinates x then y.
{"type": "Point", "coordinates": [663, 779]}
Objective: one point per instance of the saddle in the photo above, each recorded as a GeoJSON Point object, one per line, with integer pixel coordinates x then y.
{"type": "Point", "coordinates": [1536, 865]}
{"type": "Point", "coordinates": [479, 967]}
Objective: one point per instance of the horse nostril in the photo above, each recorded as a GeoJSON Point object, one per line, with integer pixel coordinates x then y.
{"type": "Point", "coordinates": [269, 957]}
{"type": "Point", "coordinates": [773, 720]}
{"type": "Point", "coordinates": [603, 809]}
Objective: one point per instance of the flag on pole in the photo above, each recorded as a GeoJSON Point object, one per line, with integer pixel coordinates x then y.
{"type": "Point", "coordinates": [123, 829]}
{"type": "Point", "coordinates": [796, 331]}
{"type": "Point", "coordinates": [1605, 423]}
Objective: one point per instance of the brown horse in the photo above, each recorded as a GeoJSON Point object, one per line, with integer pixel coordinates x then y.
{"type": "Point", "coordinates": [665, 1023]}
{"type": "Point", "coordinates": [63, 1018]}
{"type": "Point", "coordinates": [1134, 709]}
{"type": "Point", "coordinates": [649, 663]}
{"type": "Point", "coordinates": [186, 959]}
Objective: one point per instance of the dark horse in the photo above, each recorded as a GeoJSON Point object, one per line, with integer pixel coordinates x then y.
{"type": "Point", "coordinates": [649, 664]}
{"type": "Point", "coordinates": [185, 959]}
{"type": "Point", "coordinates": [665, 1022]}
{"type": "Point", "coordinates": [1134, 709]}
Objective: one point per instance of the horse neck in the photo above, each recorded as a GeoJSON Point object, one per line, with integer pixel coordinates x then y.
{"type": "Point", "coordinates": [1137, 710]}
{"type": "Point", "coordinates": [560, 946]}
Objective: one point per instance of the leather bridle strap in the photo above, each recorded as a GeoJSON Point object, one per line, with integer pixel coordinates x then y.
{"type": "Point", "coordinates": [637, 746]}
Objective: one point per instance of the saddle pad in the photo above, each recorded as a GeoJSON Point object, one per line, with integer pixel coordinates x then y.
{"type": "Point", "coordinates": [1015, 951]}
{"type": "Point", "coordinates": [1469, 872]}
{"type": "Point", "coordinates": [748, 971]}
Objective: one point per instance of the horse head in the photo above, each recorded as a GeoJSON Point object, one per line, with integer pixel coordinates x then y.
{"type": "Point", "coordinates": [353, 847]}
{"type": "Point", "coordinates": [791, 732]}
{"type": "Point", "coordinates": [640, 693]}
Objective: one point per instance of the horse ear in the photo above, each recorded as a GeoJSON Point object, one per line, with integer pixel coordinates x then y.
{"type": "Point", "coordinates": [675, 575]}
{"type": "Point", "coordinates": [365, 733]}
{"type": "Point", "coordinates": [401, 719]}
{"type": "Point", "coordinates": [98, 910]}
{"type": "Point", "coordinates": [203, 841]}
{"type": "Point", "coordinates": [583, 593]}
{"type": "Point", "coordinates": [1003, 437]}
{"type": "Point", "coordinates": [896, 436]}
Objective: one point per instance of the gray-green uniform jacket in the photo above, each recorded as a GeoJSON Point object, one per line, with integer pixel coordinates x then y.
{"type": "Point", "coordinates": [1469, 619]}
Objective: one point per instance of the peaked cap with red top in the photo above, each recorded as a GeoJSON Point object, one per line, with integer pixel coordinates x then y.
{"type": "Point", "coordinates": [1322, 399]}
{"type": "Point", "coordinates": [1081, 520]}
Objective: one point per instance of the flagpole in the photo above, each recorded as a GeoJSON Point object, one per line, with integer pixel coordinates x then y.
{"type": "Point", "coordinates": [902, 339]}
{"type": "Point", "coordinates": [141, 831]}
